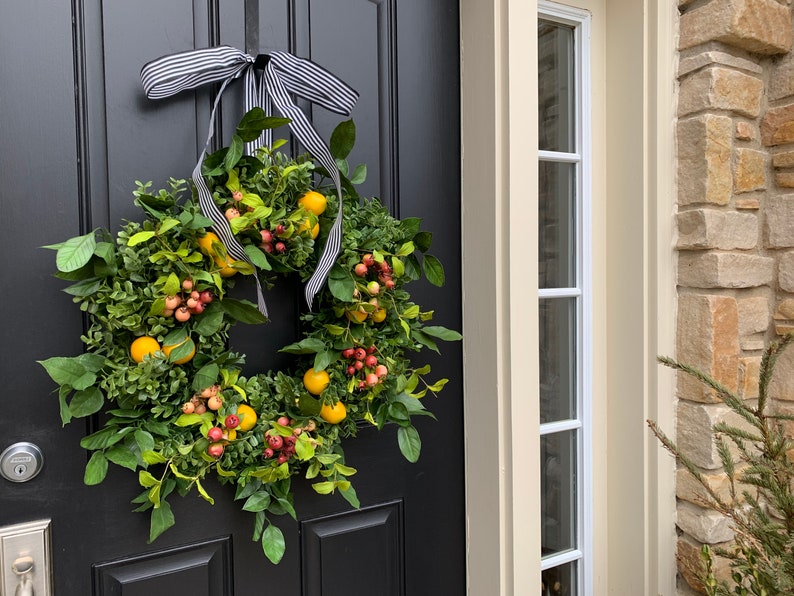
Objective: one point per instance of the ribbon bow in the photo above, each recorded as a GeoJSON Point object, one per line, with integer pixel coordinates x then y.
{"type": "Point", "coordinates": [282, 74]}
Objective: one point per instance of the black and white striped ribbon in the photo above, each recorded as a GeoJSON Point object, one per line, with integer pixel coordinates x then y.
{"type": "Point", "coordinates": [283, 75]}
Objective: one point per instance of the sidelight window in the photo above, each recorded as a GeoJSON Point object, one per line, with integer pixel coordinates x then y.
{"type": "Point", "coordinates": [564, 299]}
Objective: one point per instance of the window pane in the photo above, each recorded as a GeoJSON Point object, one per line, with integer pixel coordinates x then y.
{"type": "Point", "coordinates": [557, 359]}
{"type": "Point", "coordinates": [559, 581]}
{"type": "Point", "coordinates": [558, 496]}
{"type": "Point", "coordinates": [556, 218]}
{"type": "Point", "coordinates": [556, 87]}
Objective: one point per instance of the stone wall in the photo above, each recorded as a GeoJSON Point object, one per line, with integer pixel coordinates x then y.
{"type": "Point", "coordinates": [735, 224]}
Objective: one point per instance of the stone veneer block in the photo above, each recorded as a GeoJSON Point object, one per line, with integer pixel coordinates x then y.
{"type": "Point", "coordinates": [750, 171]}
{"type": "Point", "coordinates": [777, 125]}
{"type": "Point", "coordinates": [704, 525]}
{"type": "Point", "coordinates": [748, 202]}
{"type": "Point", "coordinates": [721, 88]}
{"type": "Point", "coordinates": [753, 315]}
{"type": "Point", "coordinates": [749, 373]}
{"type": "Point", "coordinates": [758, 26]}
{"type": "Point", "coordinates": [785, 275]}
{"type": "Point", "coordinates": [687, 488]}
{"type": "Point", "coordinates": [781, 77]}
{"type": "Point", "coordinates": [693, 431]}
{"type": "Point", "coordinates": [779, 221]}
{"type": "Point", "coordinates": [688, 556]}
{"type": "Point", "coordinates": [783, 160]}
{"type": "Point", "coordinates": [781, 385]}
{"type": "Point", "coordinates": [784, 179]}
{"type": "Point", "coordinates": [701, 59]}
{"type": "Point", "coordinates": [704, 160]}
{"type": "Point", "coordinates": [785, 310]}
{"type": "Point", "coordinates": [724, 270]}
{"type": "Point", "coordinates": [745, 131]}
{"type": "Point", "coordinates": [710, 228]}
{"type": "Point", "coordinates": [707, 338]}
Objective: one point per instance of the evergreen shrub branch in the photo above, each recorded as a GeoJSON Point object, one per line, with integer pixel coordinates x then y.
{"type": "Point", "coordinates": [757, 458]}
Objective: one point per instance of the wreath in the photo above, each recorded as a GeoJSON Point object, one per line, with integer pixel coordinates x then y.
{"type": "Point", "coordinates": [176, 407]}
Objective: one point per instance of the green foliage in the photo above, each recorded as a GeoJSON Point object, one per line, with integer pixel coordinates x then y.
{"type": "Point", "coordinates": [162, 411]}
{"type": "Point", "coordinates": [756, 456]}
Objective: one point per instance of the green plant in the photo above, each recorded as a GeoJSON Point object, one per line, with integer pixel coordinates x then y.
{"type": "Point", "coordinates": [756, 455]}
{"type": "Point", "coordinates": [177, 407]}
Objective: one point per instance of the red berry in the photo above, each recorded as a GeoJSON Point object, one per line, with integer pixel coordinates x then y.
{"type": "Point", "coordinates": [370, 361]}
{"type": "Point", "coordinates": [187, 284]}
{"type": "Point", "coordinates": [289, 441]}
{"type": "Point", "coordinates": [348, 353]}
{"type": "Point", "coordinates": [283, 459]}
{"type": "Point", "coordinates": [232, 421]}
{"type": "Point", "coordinates": [215, 450]}
{"type": "Point", "coordinates": [215, 434]}
{"type": "Point", "coordinates": [267, 247]}
{"type": "Point", "coordinates": [360, 270]}
{"type": "Point", "coordinates": [281, 247]}
{"type": "Point", "coordinates": [358, 364]}
{"type": "Point", "coordinates": [172, 302]}
{"type": "Point", "coordinates": [275, 442]}
{"type": "Point", "coordinates": [280, 229]}
{"type": "Point", "coordinates": [368, 260]}
{"type": "Point", "coordinates": [268, 453]}
{"type": "Point", "coordinates": [372, 379]}
{"type": "Point", "coordinates": [381, 371]}
{"type": "Point", "coordinates": [267, 235]}
{"type": "Point", "coordinates": [191, 303]}
{"type": "Point", "coordinates": [182, 314]}
{"type": "Point", "coordinates": [231, 213]}
{"type": "Point", "coordinates": [371, 350]}
{"type": "Point", "coordinates": [188, 407]}
{"type": "Point", "coordinates": [206, 297]}
{"type": "Point", "coordinates": [283, 421]}
{"type": "Point", "coordinates": [389, 284]}
{"type": "Point", "coordinates": [360, 354]}
{"type": "Point", "coordinates": [351, 370]}
{"type": "Point", "coordinates": [373, 288]}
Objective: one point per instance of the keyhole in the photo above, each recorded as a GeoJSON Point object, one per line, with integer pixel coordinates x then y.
{"type": "Point", "coordinates": [20, 469]}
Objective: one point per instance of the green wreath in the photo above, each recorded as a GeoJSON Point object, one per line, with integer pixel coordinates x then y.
{"type": "Point", "coordinates": [159, 314]}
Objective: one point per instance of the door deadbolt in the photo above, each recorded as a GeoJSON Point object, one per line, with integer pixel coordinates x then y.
{"type": "Point", "coordinates": [20, 462]}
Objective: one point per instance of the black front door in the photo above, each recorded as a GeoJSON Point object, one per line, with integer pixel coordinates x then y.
{"type": "Point", "coordinates": [76, 133]}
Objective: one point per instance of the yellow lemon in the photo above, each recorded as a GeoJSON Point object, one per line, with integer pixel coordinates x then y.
{"type": "Point", "coordinates": [168, 349]}
{"type": "Point", "coordinates": [333, 414]}
{"type": "Point", "coordinates": [247, 417]}
{"type": "Point", "coordinates": [142, 346]}
{"type": "Point", "coordinates": [313, 202]}
{"type": "Point", "coordinates": [316, 381]}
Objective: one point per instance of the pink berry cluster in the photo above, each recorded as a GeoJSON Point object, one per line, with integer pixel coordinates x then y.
{"type": "Point", "coordinates": [219, 436]}
{"type": "Point", "coordinates": [273, 240]}
{"type": "Point", "coordinates": [209, 398]}
{"type": "Point", "coordinates": [283, 448]}
{"type": "Point", "coordinates": [187, 303]}
{"type": "Point", "coordinates": [378, 273]}
{"type": "Point", "coordinates": [363, 365]}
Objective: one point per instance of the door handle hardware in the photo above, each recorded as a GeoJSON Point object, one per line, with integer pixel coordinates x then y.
{"type": "Point", "coordinates": [20, 462]}
{"type": "Point", "coordinates": [23, 568]}
{"type": "Point", "coordinates": [25, 559]}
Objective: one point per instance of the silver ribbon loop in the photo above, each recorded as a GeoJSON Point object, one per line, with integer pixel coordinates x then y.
{"type": "Point", "coordinates": [283, 75]}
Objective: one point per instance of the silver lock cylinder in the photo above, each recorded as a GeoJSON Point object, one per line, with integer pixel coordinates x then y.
{"type": "Point", "coordinates": [21, 462]}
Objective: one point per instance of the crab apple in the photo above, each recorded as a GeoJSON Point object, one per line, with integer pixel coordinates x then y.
{"type": "Point", "coordinates": [188, 407]}
{"type": "Point", "coordinates": [168, 312]}
{"type": "Point", "coordinates": [360, 270]}
{"type": "Point", "coordinates": [283, 421]}
{"type": "Point", "coordinates": [360, 354]}
{"type": "Point", "coordinates": [268, 453]}
{"type": "Point", "coordinates": [348, 352]}
{"type": "Point", "coordinates": [182, 314]}
{"type": "Point", "coordinates": [381, 371]}
{"type": "Point", "coordinates": [267, 235]}
{"type": "Point", "coordinates": [389, 283]}
{"type": "Point", "coordinates": [373, 288]}
{"type": "Point", "coordinates": [371, 349]}
{"type": "Point", "coordinates": [231, 213]}
{"type": "Point", "coordinates": [362, 384]}
{"type": "Point", "coordinates": [191, 302]}
{"type": "Point", "coordinates": [280, 229]}
{"type": "Point", "coordinates": [358, 364]}
{"type": "Point", "coordinates": [282, 459]}
{"type": "Point", "coordinates": [237, 195]}
{"type": "Point", "coordinates": [215, 402]}
{"type": "Point", "coordinates": [195, 294]}
{"type": "Point", "coordinates": [289, 441]}
{"type": "Point", "coordinates": [351, 370]}
{"type": "Point", "coordinates": [232, 421]}
{"type": "Point", "coordinates": [371, 361]}
{"type": "Point", "coordinates": [215, 450]}
{"type": "Point", "coordinates": [206, 297]}
{"type": "Point", "coordinates": [297, 431]}
{"type": "Point", "coordinates": [171, 302]}
{"type": "Point", "coordinates": [198, 308]}
{"type": "Point", "coordinates": [215, 434]}
{"type": "Point", "coordinates": [281, 247]}
{"type": "Point", "coordinates": [368, 260]}
{"type": "Point", "coordinates": [207, 392]}
{"type": "Point", "coordinates": [187, 284]}
{"type": "Point", "coordinates": [267, 247]}
{"type": "Point", "coordinates": [200, 409]}
{"type": "Point", "coordinates": [311, 425]}
{"type": "Point", "coordinates": [372, 379]}
{"type": "Point", "coordinates": [275, 442]}
{"type": "Point", "coordinates": [385, 267]}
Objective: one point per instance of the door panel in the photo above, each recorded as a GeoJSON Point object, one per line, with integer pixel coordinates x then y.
{"type": "Point", "coordinates": [77, 133]}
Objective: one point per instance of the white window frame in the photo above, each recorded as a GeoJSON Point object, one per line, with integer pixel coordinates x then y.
{"type": "Point", "coordinates": [582, 158]}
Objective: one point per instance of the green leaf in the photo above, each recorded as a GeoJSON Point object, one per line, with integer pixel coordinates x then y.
{"type": "Point", "coordinates": [140, 237]}
{"type": "Point", "coordinates": [85, 287]}
{"type": "Point", "coordinates": [177, 336]}
{"type": "Point", "coordinates": [422, 240]}
{"type": "Point", "coordinates": [103, 438]}
{"type": "Point", "coordinates": [204, 494]}
{"type": "Point", "coordinates": [144, 440]}
{"type": "Point", "coordinates": [234, 153]}
{"type": "Point", "coordinates": [344, 470]}
{"type": "Point", "coordinates": [303, 448]}
{"type": "Point", "coordinates": [410, 226]}
{"type": "Point", "coordinates": [255, 121]}
{"type": "Point", "coordinates": [409, 442]}
{"type": "Point", "coordinates": [206, 376]}
{"type": "Point", "coordinates": [310, 345]}
{"type": "Point", "coordinates": [323, 359]}
{"type": "Point", "coordinates": [342, 139]}
{"type": "Point", "coordinates": [152, 457]}
{"type": "Point", "coordinates": [162, 519]}
{"type": "Point", "coordinates": [350, 496]}
{"type": "Point", "coordinates": [359, 174]}
{"type": "Point", "coordinates": [66, 414]}
{"type": "Point", "coordinates": [398, 266]}
{"type": "Point", "coordinates": [442, 333]}
{"type": "Point", "coordinates": [242, 311]}
{"type": "Point", "coordinates": [257, 257]}
{"type": "Point", "coordinates": [70, 371]}
{"type": "Point", "coordinates": [75, 252]}
{"type": "Point", "coordinates": [121, 456]}
{"type": "Point", "coordinates": [341, 284]}
{"type": "Point", "coordinates": [434, 271]}
{"type": "Point", "coordinates": [273, 543]}
{"type": "Point", "coordinates": [259, 501]}
{"type": "Point", "coordinates": [190, 419]}
{"type": "Point", "coordinates": [406, 249]}
{"type": "Point", "coordinates": [146, 480]}
{"type": "Point", "coordinates": [309, 406]}
{"type": "Point", "coordinates": [209, 323]}
{"type": "Point", "coordinates": [323, 488]}
{"type": "Point", "coordinates": [96, 469]}
{"type": "Point", "coordinates": [86, 402]}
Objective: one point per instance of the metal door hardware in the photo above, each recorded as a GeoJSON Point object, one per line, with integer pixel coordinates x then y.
{"type": "Point", "coordinates": [20, 462]}
{"type": "Point", "coordinates": [25, 559]}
